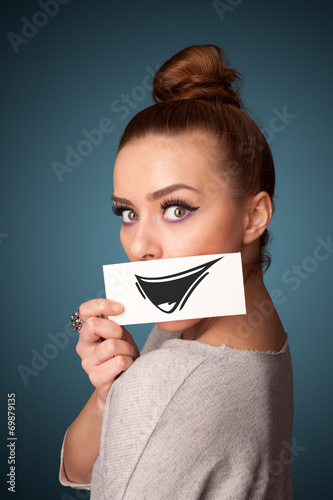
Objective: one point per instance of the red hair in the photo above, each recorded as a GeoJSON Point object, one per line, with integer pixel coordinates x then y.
{"type": "Point", "coordinates": [194, 91]}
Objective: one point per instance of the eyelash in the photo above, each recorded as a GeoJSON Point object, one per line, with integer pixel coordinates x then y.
{"type": "Point", "coordinates": [177, 203]}
{"type": "Point", "coordinates": [119, 209]}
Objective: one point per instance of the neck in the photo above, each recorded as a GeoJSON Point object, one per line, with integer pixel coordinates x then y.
{"type": "Point", "coordinates": [255, 291]}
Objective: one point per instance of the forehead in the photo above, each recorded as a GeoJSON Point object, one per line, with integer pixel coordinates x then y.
{"type": "Point", "coordinates": [160, 158]}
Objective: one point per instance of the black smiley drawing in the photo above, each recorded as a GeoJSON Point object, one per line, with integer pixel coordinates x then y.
{"type": "Point", "coordinates": [168, 292]}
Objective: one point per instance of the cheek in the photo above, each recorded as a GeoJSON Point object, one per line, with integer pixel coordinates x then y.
{"type": "Point", "coordinates": [124, 240]}
{"type": "Point", "coordinates": [213, 234]}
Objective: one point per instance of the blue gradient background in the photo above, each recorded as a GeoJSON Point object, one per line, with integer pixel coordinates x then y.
{"type": "Point", "coordinates": [59, 234]}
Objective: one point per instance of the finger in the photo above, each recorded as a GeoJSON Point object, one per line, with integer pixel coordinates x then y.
{"type": "Point", "coordinates": [97, 307]}
{"type": "Point", "coordinates": [96, 328]}
{"type": "Point", "coordinates": [105, 373]}
{"type": "Point", "coordinates": [128, 337]}
{"type": "Point", "coordinates": [111, 348]}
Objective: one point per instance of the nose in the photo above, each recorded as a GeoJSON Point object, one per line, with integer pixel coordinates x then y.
{"type": "Point", "coordinates": [146, 243]}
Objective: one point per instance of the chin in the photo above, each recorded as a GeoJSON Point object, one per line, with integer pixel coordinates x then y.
{"type": "Point", "coordinates": [177, 326]}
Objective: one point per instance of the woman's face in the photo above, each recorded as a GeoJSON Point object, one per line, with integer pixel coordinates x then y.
{"type": "Point", "coordinates": [173, 204]}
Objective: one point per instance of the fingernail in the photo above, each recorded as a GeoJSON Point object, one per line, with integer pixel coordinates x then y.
{"type": "Point", "coordinates": [116, 308]}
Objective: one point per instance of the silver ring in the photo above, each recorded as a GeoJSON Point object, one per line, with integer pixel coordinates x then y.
{"type": "Point", "coordinates": [76, 321]}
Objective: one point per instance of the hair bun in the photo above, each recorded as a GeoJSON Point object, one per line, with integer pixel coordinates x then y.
{"type": "Point", "coordinates": [197, 72]}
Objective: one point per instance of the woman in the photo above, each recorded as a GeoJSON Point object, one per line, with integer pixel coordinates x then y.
{"type": "Point", "coordinates": [205, 410]}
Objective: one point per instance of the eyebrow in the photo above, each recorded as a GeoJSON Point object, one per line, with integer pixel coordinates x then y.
{"type": "Point", "coordinates": [157, 194]}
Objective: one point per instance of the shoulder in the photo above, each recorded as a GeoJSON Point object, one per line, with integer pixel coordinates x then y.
{"type": "Point", "coordinates": [174, 372]}
{"type": "Point", "coordinates": [211, 375]}
{"type": "Point", "coordinates": [156, 338]}
{"type": "Point", "coordinates": [187, 412]}
{"type": "Point", "coordinates": [164, 368]}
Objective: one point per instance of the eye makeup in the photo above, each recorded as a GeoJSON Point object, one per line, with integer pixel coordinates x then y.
{"type": "Point", "coordinates": [119, 209]}
{"type": "Point", "coordinates": [176, 202]}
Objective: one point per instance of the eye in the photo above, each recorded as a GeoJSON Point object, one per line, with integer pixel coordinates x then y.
{"type": "Point", "coordinates": [174, 213]}
{"type": "Point", "coordinates": [176, 209]}
{"type": "Point", "coordinates": [173, 210]}
{"type": "Point", "coordinates": [128, 214]}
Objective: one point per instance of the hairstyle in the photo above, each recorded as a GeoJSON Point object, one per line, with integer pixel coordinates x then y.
{"type": "Point", "coordinates": [194, 91]}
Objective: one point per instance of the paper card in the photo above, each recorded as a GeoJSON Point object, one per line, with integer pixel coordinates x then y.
{"type": "Point", "coordinates": [200, 286]}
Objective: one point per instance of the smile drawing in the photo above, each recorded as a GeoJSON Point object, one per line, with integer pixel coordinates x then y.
{"type": "Point", "coordinates": [167, 292]}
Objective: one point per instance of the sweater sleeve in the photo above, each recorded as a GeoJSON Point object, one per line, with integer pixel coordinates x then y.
{"type": "Point", "coordinates": [153, 341]}
{"type": "Point", "coordinates": [62, 473]}
{"type": "Point", "coordinates": [177, 427]}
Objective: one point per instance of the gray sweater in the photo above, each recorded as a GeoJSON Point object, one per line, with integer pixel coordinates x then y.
{"type": "Point", "coordinates": [190, 421]}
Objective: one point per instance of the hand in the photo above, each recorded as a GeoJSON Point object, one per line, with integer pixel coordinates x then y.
{"type": "Point", "coordinates": [105, 348]}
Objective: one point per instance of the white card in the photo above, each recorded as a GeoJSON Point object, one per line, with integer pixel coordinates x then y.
{"type": "Point", "coordinates": [200, 286]}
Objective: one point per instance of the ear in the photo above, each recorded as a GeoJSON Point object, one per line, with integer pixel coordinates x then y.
{"type": "Point", "coordinates": [258, 215]}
